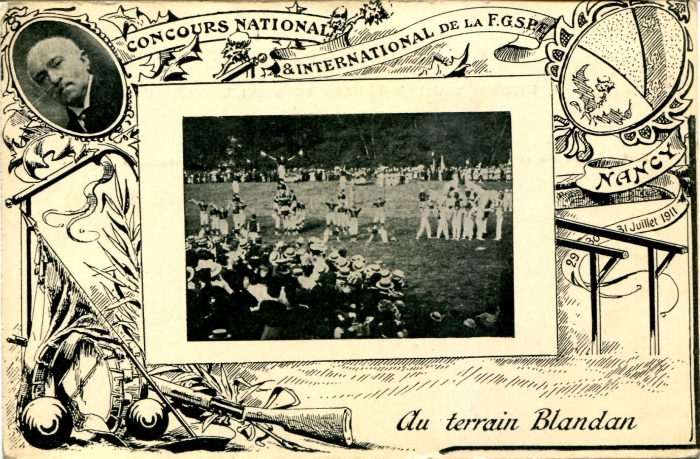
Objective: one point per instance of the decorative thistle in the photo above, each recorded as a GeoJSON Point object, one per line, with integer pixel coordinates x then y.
{"type": "Point", "coordinates": [371, 13]}
{"type": "Point", "coordinates": [374, 12]}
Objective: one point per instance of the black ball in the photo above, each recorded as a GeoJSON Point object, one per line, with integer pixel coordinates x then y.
{"type": "Point", "coordinates": [147, 419]}
{"type": "Point", "coordinates": [45, 423]}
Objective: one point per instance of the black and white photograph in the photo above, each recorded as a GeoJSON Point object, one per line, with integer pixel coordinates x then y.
{"type": "Point", "coordinates": [69, 77]}
{"type": "Point", "coordinates": [349, 226]}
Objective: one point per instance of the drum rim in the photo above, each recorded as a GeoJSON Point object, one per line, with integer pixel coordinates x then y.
{"type": "Point", "coordinates": [41, 372]}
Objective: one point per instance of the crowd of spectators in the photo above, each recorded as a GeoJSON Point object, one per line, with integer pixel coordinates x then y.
{"type": "Point", "coordinates": [398, 175]}
{"type": "Point", "coordinates": [242, 289]}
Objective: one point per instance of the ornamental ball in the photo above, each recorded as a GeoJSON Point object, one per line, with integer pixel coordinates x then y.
{"type": "Point", "coordinates": [147, 419]}
{"type": "Point", "coordinates": [45, 423]}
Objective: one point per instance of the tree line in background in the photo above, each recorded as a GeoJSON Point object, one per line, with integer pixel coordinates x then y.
{"type": "Point", "coordinates": [353, 141]}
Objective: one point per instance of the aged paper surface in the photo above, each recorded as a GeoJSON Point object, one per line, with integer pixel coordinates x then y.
{"type": "Point", "coordinates": [372, 229]}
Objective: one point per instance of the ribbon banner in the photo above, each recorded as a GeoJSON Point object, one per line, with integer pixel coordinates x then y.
{"type": "Point", "coordinates": [606, 175]}
{"type": "Point", "coordinates": [649, 181]}
{"type": "Point", "coordinates": [630, 279]}
{"type": "Point", "coordinates": [217, 27]}
{"type": "Point", "coordinates": [338, 57]}
{"type": "Point", "coordinates": [663, 216]}
{"type": "Point", "coordinates": [328, 58]}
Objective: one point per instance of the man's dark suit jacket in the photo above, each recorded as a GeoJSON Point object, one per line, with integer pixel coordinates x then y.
{"type": "Point", "coordinates": [106, 96]}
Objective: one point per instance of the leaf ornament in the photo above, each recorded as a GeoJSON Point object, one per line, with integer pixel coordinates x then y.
{"type": "Point", "coordinates": [282, 398]}
{"type": "Point", "coordinates": [570, 140]}
{"type": "Point", "coordinates": [172, 70]}
{"type": "Point", "coordinates": [132, 19]}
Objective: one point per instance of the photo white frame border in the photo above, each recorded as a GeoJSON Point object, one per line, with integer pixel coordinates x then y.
{"type": "Point", "coordinates": [160, 114]}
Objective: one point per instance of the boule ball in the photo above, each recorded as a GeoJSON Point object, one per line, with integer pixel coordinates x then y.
{"type": "Point", "coordinates": [147, 419]}
{"type": "Point", "coordinates": [45, 423]}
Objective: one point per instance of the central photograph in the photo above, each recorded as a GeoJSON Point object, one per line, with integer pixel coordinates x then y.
{"type": "Point", "coordinates": [349, 226]}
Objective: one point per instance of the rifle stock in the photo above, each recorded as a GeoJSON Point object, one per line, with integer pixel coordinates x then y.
{"type": "Point", "coordinates": [332, 425]}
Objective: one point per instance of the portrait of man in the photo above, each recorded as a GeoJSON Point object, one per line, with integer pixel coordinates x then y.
{"type": "Point", "coordinates": [69, 77]}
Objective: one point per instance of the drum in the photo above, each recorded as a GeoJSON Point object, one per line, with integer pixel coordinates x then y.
{"type": "Point", "coordinates": [100, 381]}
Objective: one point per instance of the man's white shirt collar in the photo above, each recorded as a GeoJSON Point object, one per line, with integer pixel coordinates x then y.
{"type": "Point", "coordinates": [79, 110]}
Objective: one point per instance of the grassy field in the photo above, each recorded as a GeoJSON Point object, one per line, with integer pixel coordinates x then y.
{"type": "Point", "coordinates": [460, 279]}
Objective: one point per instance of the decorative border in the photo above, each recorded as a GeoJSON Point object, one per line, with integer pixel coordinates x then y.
{"type": "Point", "coordinates": [28, 136]}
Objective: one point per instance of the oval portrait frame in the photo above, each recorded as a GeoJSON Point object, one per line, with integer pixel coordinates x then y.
{"type": "Point", "coordinates": [100, 39]}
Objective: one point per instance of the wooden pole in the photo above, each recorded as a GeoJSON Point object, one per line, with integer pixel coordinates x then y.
{"type": "Point", "coordinates": [693, 239]}
{"type": "Point", "coordinates": [27, 269]}
{"type": "Point", "coordinates": [595, 305]}
{"type": "Point", "coordinates": [653, 246]}
{"type": "Point", "coordinates": [653, 303]}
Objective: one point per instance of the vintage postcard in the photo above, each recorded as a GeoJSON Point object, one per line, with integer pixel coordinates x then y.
{"type": "Point", "coordinates": [365, 229]}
